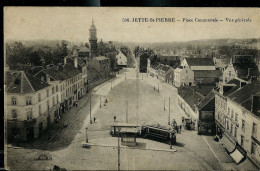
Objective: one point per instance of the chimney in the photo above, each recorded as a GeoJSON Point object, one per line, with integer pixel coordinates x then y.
{"type": "Point", "coordinates": [76, 62]}
{"type": "Point", "coordinates": [48, 79]}
{"type": "Point", "coordinates": [255, 107]}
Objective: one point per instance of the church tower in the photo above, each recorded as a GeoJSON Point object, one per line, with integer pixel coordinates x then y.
{"type": "Point", "coordinates": [93, 40]}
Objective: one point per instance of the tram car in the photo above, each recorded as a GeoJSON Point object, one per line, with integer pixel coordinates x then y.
{"type": "Point", "coordinates": [159, 133]}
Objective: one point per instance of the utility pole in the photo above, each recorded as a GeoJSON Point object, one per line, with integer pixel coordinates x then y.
{"type": "Point", "coordinates": [118, 149]}
{"type": "Point", "coordinates": [158, 87]}
{"type": "Point", "coordinates": [169, 112]}
{"type": "Point", "coordinates": [100, 102]}
{"type": "Point", "coordinates": [164, 104]}
{"type": "Point", "coordinates": [86, 134]}
{"type": "Point", "coordinates": [90, 120]}
{"type": "Point", "coordinates": [127, 111]}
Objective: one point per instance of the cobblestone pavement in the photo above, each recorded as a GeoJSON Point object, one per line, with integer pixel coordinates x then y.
{"type": "Point", "coordinates": [145, 105]}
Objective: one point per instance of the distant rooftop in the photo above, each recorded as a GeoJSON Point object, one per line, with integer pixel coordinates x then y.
{"type": "Point", "coordinates": [200, 61]}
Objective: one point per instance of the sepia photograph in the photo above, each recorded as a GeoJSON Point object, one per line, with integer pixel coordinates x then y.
{"type": "Point", "coordinates": [131, 88]}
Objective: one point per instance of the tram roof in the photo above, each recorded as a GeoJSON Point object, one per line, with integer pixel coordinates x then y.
{"type": "Point", "coordinates": [125, 125]}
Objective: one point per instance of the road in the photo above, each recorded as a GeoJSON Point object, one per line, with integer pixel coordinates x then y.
{"type": "Point", "coordinates": [145, 106]}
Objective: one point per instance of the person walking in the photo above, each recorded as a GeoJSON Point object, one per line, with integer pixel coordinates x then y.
{"type": "Point", "coordinates": [94, 119]}
{"type": "Point", "coordinates": [180, 128]}
{"type": "Point", "coordinates": [114, 118]}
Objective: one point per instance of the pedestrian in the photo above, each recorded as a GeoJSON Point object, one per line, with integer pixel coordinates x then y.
{"type": "Point", "coordinates": [154, 88]}
{"type": "Point", "coordinates": [180, 128]}
{"type": "Point", "coordinates": [176, 127]}
{"type": "Point", "coordinates": [114, 118]}
{"type": "Point", "coordinates": [94, 119]}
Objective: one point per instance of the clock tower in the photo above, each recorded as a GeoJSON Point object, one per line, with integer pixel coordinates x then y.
{"type": "Point", "coordinates": [93, 40]}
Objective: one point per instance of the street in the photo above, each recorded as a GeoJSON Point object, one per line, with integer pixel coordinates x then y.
{"type": "Point", "coordinates": [134, 97]}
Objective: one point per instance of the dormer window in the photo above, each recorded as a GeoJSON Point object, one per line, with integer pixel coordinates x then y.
{"type": "Point", "coordinates": [28, 100]}
{"type": "Point", "coordinates": [13, 100]}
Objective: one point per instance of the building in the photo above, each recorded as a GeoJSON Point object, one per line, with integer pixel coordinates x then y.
{"type": "Point", "coordinates": [241, 67]}
{"type": "Point", "coordinates": [121, 59]}
{"type": "Point", "coordinates": [164, 72]}
{"type": "Point", "coordinates": [206, 76]}
{"type": "Point", "coordinates": [183, 76]}
{"type": "Point", "coordinates": [152, 68]}
{"type": "Point", "coordinates": [93, 40]}
{"type": "Point", "coordinates": [199, 63]}
{"type": "Point", "coordinates": [206, 114]}
{"type": "Point", "coordinates": [69, 80]}
{"type": "Point", "coordinates": [83, 52]}
{"type": "Point", "coordinates": [142, 60]}
{"type": "Point", "coordinates": [237, 117]}
{"type": "Point", "coordinates": [31, 105]}
{"type": "Point", "coordinates": [101, 64]}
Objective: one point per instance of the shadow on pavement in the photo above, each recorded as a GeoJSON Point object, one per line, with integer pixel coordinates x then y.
{"type": "Point", "coordinates": [179, 144]}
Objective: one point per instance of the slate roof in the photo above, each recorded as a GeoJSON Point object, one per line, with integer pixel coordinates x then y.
{"type": "Point", "coordinates": [200, 61]}
{"type": "Point", "coordinates": [244, 95]}
{"type": "Point", "coordinates": [21, 82]}
{"type": "Point", "coordinates": [61, 72]}
{"type": "Point", "coordinates": [207, 73]}
{"type": "Point", "coordinates": [206, 100]}
{"type": "Point", "coordinates": [234, 85]}
{"type": "Point", "coordinates": [190, 96]}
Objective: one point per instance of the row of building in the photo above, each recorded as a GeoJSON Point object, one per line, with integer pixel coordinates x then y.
{"type": "Point", "coordinates": [221, 100]}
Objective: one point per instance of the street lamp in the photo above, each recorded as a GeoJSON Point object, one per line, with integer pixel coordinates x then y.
{"type": "Point", "coordinates": [158, 87]}
{"type": "Point", "coordinates": [164, 104]}
{"type": "Point", "coordinates": [90, 120]}
{"type": "Point", "coordinates": [86, 134]}
{"type": "Point", "coordinates": [169, 112]}
{"type": "Point", "coordinates": [100, 102]}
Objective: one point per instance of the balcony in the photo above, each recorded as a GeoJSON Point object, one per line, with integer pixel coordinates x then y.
{"type": "Point", "coordinates": [30, 121]}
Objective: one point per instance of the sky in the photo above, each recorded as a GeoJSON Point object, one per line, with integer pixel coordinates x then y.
{"type": "Point", "coordinates": [72, 23]}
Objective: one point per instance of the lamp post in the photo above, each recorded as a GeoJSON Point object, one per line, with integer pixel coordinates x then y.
{"type": "Point", "coordinates": [164, 104]}
{"type": "Point", "coordinates": [158, 87]}
{"type": "Point", "coordinates": [169, 111]}
{"type": "Point", "coordinates": [142, 76]}
{"type": "Point", "coordinates": [125, 76]}
{"type": "Point", "coordinates": [100, 102]}
{"type": "Point", "coordinates": [118, 149]}
{"type": "Point", "coordinates": [90, 120]}
{"type": "Point", "coordinates": [127, 111]}
{"type": "Point", "coordinates": [111, 85]}
{"type": "Point", "coordinates": [86, 134]}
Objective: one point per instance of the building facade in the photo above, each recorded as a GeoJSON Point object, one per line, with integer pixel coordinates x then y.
{"type": "Point", "coordinates": [101, 64]}
{"type": "Point", "coordinates": [121, 59]}
{"type": "Point", "coordinates": [183, 76]}
{"type": "Point", "coordinates": [198, 63]}
{"type": "Point", "coordinates": [31, 105]}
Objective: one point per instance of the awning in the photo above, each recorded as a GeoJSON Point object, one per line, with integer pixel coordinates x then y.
{"type": "Point", "coordinates": [229, 145]}
{"type": "Point", "coordinates": [237, 156]}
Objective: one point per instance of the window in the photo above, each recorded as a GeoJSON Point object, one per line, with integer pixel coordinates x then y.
{"type": "Point", "coordinates": [56, 88]}
{"type": "Point", "coordinates": [242, 140]}
{"type": "Point", "coordinates": [40, 109]}
{"type": "Point", "coordinates": [243, 125]}
{"type": "Point", "coordinates": [29, 115]}
{"type": "Point", "coordinates": [235, 132]}
{"type": "Point", "coordinates": [28, 100]}
{"type": "Point", "coordinates": [232, 113]}
{"type": "Point", "coordinates": [227, 125]}
{"type": "Point", "coordinates": [53, 101]}
{"type": "Point", "coordinates": [253, 148]}
{"type": "Point", "coordinates": [229, 73]}
{"type": "Point", "coordinates": [39, 97]}
{"type": "Point", "coordinates": [254, 130]}
{"type": "Point", "coordinates": [52, 90]}
{"type": "Point", "coordinates": [231, 129]}
{"type": "Point", "coordinates": [47, 92]}
{"type": "Point", "coordinates": [57, 98]}
{"type": "Point", "coordinates": [48, 104]}
{"type": "Point", "coordinates": [236, 117]}
{"type": "Point", "coordinates": [13, 100]}
{"type": "Point", "coordinates": [228, 111]}
{"type": "Point", "coordinates": [60, 87]}
{"type": "Point", "coordinates": [14, 114]}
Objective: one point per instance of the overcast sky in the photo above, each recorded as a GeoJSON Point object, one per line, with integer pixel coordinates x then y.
{"type": "Point", "coordinates": [72, 24]}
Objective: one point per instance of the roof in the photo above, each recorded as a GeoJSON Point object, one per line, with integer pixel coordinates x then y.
{"type": "Point", "coordinates": [165, 68]}
{"type": "Point", "coordinates": [200, 61]}
{"type": "Point", "coordinates": [21, 82]}
{"type": "Point", "coordinates": [61, 72]}
{"type": "Point", "coordinates": [243, 96]}
{"type": "Point", "coordinates": [154, 65]}
{"type": "Point", "coordinates": [100, 58]}
{"type": "Point", "coordinates": [120, 54]}
{"type": "Point", "coordinates": [233, 84]}
{"type": "Point", "coordinates": [206, 100]}
{"type": "Point", "coordinates": [207, 73]}
{"type": "Point", "coordinates": [191, 96]}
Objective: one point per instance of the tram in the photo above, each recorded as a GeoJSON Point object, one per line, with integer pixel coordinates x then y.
{"type": "Point", "coordinates": [159, 133]}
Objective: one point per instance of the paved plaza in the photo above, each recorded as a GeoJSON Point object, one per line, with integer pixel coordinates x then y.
{"type": "Point", "coordinates": [131, 96]}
